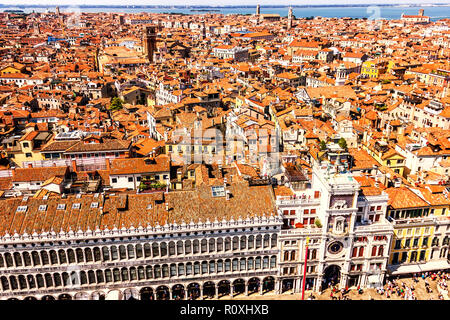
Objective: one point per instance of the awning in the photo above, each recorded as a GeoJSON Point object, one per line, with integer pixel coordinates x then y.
{"type": "Point", "coordinates": [416, 268]}
{"type": "Point", "coordinates": [374, 278]}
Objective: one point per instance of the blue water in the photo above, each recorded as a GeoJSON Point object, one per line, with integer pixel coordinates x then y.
{"type": "Point", "coordinates": [377, 12]}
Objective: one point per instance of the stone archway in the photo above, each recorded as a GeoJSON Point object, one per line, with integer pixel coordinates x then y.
{"type": "Point", "coordinates": [130, 294]}
{"type": "Point", "coordinates": [98, 295]}
{"type": "Point", "coordinates": [64, 296]}
{"type": "Point", "coordinates": [162, 293]}
{"type": "Point", "coordinates": [48, 298]}
{"type": "Point", "coordinates": [193, 291]}
{"type": "Point", "coordinates": [146, 294]}
{"type": "Point", "coordinates": [287, 284]}
{"type": "Point", "coordinates": [223, 287]}
{"type": "Point", "coordinates": [81, 296]}
{"type": "Point", "coordinates": [209, 289]}
{"type": "Point", "coordinates": [238, 286]}
{"type": "Point", "coordinates": [331, 276]}
{"type": "Point", "coordinates": [268, 284]}
{"type": "Point", "coordinates": [29, 298]}
{"type": "Point", "coordinates": [178, 292]}
{"type": "Point", "coordinates": [253, 285]}
{"type": "Point", "coordinates": [114, 295]}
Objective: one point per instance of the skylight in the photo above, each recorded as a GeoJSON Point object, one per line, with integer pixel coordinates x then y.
{"type": "Point", "coordinates": [218, 191]}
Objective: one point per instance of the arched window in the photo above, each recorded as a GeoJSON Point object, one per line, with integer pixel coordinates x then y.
{"type": "Point", "coordinates": [445, 242]}
{"type": "Point", "coordinates": [212, 266]}
{"type": "Point", "coordinates": [18, 259]}
{"type": "Point", "coordinates": [57, 279]}
{"type": "Point", "coordinates": [251, 242]}
{"type": "Point", "coordinates": [71, 256]}
{"type": "Point", "coordinates": [188, 268]}
{"type": "Point", "coordinates": [266, 262]}
{"type": "Point", "coordinates": [219, 244]}
{"type": "Point", "coordinates": [380, 251]}
{"type": "Point", "coordinates": [62, 256]}
{"type": "Point", "coordinates": [48, 280]}
{"type": "Point", "coordinates": [219, 266]}
{"type": "Point", "coordinates": [80, 256]}
{"type": "Point", "coordinates": [22, 282]}
{"type": "Point", "coordinates": [108, 276]}
{"type": "Point", "coordinates": [235, 265]}
{"type": "Point", "coordinates": [40, 281]}
{"type": "Point", "coordinates": [105, 252]}
{"type": "Point", "coordinates": [66, 279]}
{"type": "Point", "coordinates": [196, 267]}
{"type": "Point", "coordinates": [227, 265]}
{"type": "Point", "coordinates": [2, 263]}
{"type": "Point", "coordinates": [173, 270]}
{"type": "Point", "coordinates": [133, 274]}
{"type": "Point", "coordinates": [163, 249]}
{"type": "Point", "coordinates": [258, 263]}
{"type": "Point", "coordinates": [250, 265]}
{"type": "Point", "coordinates": [179, 247]}
{"type": "Point", "coordinates": [293, 255]}
{"type": "Point", "coordinates": [5, 283]}
{"type": "Point", "coordinates": [44, 258]}
{"type": "Point", "coordinates": [83, 278]}
{"type": "Point", "coordinates": [171, 248]}
{"type": "Point", "coordinates": [180, 269]}
{"type": "Point", "coordinates": [100, 278]}
{"type": "Point", "coordinates": [114, 253]}
{"type": "Point", "coordinates": [212, 245]}
{"type": "Point", "coordinates": [26, 259]}
{"type": "Point", "coordinates": [32, 282]}
{"type": "Point", "coordinates": [313, 254]}
{"type": "Point", "coordinates": [53, 257]}
{"type": "Point", "coordinates": [88, 254]}
{"type": "Point", "coordinates": [9, 260]}
{"type": "Point", "coordinates": [266, 241]}
{"type": "Point", "coordinates": [258, 241]}
{"type": "Point", "coordinates": [116, 275]}
{"type": "Point", "coordinates": [273, 261]}
{"type": "Point", "coordinates": [148, 272]}
{"type": "Point", "coordinates": [124, 274]}
{"type": "Point", "coordinates": [157, 272]}
{"type": "Point", "coordinates": [130, 249]}
{"type": "Point", "coordinates": [122, 252]}
{"type": "Point", "coordinates": [204, 267]}
{"type": "Point", "coordinates": [195, 246]}
{"type": "Point", "coordinates": [139, 253]}
{"type": "Point", "coordinates": [243, 242]}
{"type": "Point", "coordinates": [286, 256]}
{"type": "Point", "coordinates": [91, 276]}
{"type": "Point", "coordinates": [243, 264]}
{"type": "Point", "coordinates": [227, 244]}
{"type": "Point", "coordinates": [141, 273]}
{"type": "Point", "coordinates": [235, 243]}
{"type": "Point", "coordinates": [97, 254]}
{"type": "Point", "coordinates": [204, 244]}
{"type": "Point", "coordinates": [273, 242]}
{"type": "Point", "coordinates": [36, 259]}
{"type": "Point", "coordinates": [155, 249]}
{"type": "Point", "coordinates": [147, 250]}
{"type": "Point", "coordinates": [187, 247]}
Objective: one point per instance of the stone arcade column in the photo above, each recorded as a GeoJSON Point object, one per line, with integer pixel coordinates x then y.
{"type": "Point", "coordinates": [201, 293]}
{"type": "Point", "coordinates": [216, 295]}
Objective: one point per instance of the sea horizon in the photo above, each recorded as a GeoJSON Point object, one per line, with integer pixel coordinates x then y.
{"type": "Point", "coordinates": [435, 11]}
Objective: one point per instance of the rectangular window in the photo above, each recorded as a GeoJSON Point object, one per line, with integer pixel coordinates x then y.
{"type": "Point", "coordinates": [130, 179]}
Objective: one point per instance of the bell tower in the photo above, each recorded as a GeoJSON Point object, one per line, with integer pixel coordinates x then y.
{"type": "Point", "coordinates": [289, 26]}
{"type": "Point", "coordinates": [149, 41]}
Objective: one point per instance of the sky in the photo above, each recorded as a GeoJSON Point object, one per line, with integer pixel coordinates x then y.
{"type": "Point", "coordinates": [213, 2]}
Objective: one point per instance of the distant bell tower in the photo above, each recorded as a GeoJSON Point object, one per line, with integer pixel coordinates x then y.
{"type": "Point", "coordinates": [258, 10]}
{"type": "Point", "coordinates": [149, 41]}
{"type": "Point", "coordinates": [341, 75]}
{"type": "Point", "coordinates": [421, 12]}
{"type": "Point", "coordinates": [36, 28]}
{"type": "Point", "coordinates": [289, 26]}
{"type": "Point", "coordinates": [57, 11]}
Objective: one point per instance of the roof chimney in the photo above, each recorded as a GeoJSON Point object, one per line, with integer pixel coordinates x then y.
{"type": "Point", "coordinates": [30, 165]}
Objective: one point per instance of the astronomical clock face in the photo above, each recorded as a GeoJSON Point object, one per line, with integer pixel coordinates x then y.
{"type": "Point", "coordinates": [335, 247]}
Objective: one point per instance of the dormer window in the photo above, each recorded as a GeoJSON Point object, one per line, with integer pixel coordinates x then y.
{"type": "Point", "coordinates": [76, 206]}
{"type": "Point", "coordinates": [43, 207]}
{"type": "Point", "coordinates": [61, 206]}
{"type": "Point", "coordinates": [94, 205]}
{"type": "Point", "coordinates": [22, 208]}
